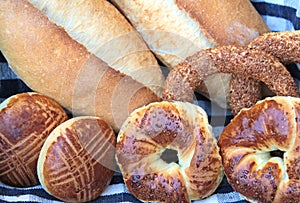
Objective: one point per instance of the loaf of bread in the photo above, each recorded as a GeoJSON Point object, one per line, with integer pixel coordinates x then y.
{"type": "Point", "coordinates": [184, 27]}
{"type": "Point", "coordinates": [108, 72]}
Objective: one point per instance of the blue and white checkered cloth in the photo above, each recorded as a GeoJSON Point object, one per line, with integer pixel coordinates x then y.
{"type": "Point", "coordinates": [279, 15]}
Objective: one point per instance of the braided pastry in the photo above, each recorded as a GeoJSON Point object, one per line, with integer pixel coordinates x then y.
{"type": "Point", "coordinates": [252, 62]}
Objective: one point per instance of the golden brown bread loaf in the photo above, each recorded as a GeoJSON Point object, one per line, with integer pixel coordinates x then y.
{"type": "Point", "coordinates": [77, 163]}
{"type": "Point", "coordinates": [105, 32]}
{"type": "Point", "coordinates": [148, 134]}
{"type": "Point", "coordinates": [26, 120]}
{"type": "Point", "coordinates": [260, 151]}
{"type": "Point", "coordinates": [49, 61]}
{"type": "Point", "coordinates": [177, 29]}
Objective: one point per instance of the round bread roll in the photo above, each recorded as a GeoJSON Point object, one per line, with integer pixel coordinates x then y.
{"type": "Point", "coordinates": [77, 162]}
{"type": "Point", "coordinates": [108, 72]}
{"type": "Point", "coordinates": [260, 151]}
{"type": "Point", "coordinates": [144, 140]}
{"type": "Point", "coordinates": [26, 120]}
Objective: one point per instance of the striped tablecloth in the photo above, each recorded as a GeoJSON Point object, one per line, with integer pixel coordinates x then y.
{"type": "Point", "coordinates": [278, 14]}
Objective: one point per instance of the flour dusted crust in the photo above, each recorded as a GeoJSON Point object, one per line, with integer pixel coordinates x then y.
{"type": "Point", "coordinates": [152, 129]}
{"type": "Point", "coordinates": [248, 147]}
{"type": "Point", "coordinates": [26, 120]}
{"type": "Point", "coordinates": [76, 162]}
{"type": "Point", "coordinates": [49, 61]}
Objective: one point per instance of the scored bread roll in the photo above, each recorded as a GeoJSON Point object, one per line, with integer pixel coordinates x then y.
{"type": "Point", "coordinates": [49, 61]}
{"type": "Point", "coordinates": [177, 29]}
{"type": "Point", "coordinates": [76, 162]}
{"type": "Point", "coordinates": [26, 120]}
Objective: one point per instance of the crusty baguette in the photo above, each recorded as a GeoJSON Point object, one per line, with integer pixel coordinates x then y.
{"type": "Point", "coordinates": [51, 62]}
{"type": "Point", "coordinates": [105, 32]}
{"type": "Point", "coordinates": [176, 29]}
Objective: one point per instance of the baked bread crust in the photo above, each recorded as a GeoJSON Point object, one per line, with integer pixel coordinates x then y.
{"type": "Point", "coordinates": [152, 129]}
{"type": "Point", "coordinates": [77, 163]}
{"type": "Point", "coordinates": [26, 120]}
{"type": "Point", "coordinates": [251, 62]}
{"type": "Point", "coordinates": [184, 27]}
{"type": "Point", "coordinates": [283, 45]}
{"type": "Point", "coordinates": [241, 22]}
{"type": "Point", "coordinates": [105, 32]}
{"type": "Point", "coordinates": [248, 144]}
{"type": "Point", "coordinates": [49, 61]}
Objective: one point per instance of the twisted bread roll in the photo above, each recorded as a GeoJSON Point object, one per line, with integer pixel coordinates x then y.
{"type": "Point", "coordinates": [260, 151]}
{"type": "Point", "coordinates": [253, 63]}
{"type": "Point", "coordinates": [26, 120]}
{"type": "Point", "coordinates": [176, 29]}
{"type": "Point", "coordinates": [49, 61]}
{"type": "Point", "coordinates": [148, 133]}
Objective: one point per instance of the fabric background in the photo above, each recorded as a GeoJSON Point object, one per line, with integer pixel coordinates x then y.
{"type": "Point", "coordinates": [280, 15]}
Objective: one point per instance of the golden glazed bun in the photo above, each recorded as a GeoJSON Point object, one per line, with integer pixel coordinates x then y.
{"type": "Point", "coordinates": [26, 120]}
{"type": "Point", "coordinates": [77, 162]}
{"type": "Point", "coordinates": [149, 133]}
{"type": "Point", "coordinates": [49, 60]}
{"type": "Point", "coordinates": [260, 151]}
{"type": "Point", "coordinates": [177, 29]}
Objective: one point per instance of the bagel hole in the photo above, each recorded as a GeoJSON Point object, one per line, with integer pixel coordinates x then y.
{"type": "Point", "coordinates": [169, 156]}
{"type": "Point", "coordinates": [277, 153]}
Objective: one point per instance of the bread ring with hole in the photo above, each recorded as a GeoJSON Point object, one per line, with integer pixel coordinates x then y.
{"type": "Point", "coordinates": [284, 46]}
{"type": "Point", "coordinates": [179, 126]}
{"type": "Point", "coordinates": [257, 64]}
{"type": "Point", "coordinates": [245, 89]}
{"type": "Point", "coordinates": [260, 151]}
